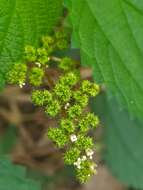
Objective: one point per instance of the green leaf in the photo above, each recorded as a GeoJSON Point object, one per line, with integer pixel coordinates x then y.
{"type": "Point", "coordinates": [123, 142]}
{"type": "Point", "coordinates": [8, 140]}
{"type": "Point", "coordinates": [109, 34]}
{"type": "Point", "coordinates": [23, 22]}
{"type": "Point", "coordinates": [14, 177]}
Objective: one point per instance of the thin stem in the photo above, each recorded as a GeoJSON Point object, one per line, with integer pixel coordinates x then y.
{"type": "Point", "coordinates": [56, 59]}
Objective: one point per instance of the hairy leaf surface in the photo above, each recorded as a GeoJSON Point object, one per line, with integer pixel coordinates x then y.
{"type": "Point", "coordinates": [109, 34]}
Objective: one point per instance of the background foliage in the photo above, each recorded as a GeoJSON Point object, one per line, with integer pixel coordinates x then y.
{"type": "Point", "coordinates": [14, 177]}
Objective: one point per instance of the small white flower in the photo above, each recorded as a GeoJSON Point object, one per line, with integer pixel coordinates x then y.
{"type": "Point", "coordinates": [38, 64]}
{"type": "Point", "coordinates": [73, 138]}
{"type": "Point", "coordinates": [89, 153]}
{"type": "Point", "coordinates": [92, 167]}
{"type": "Point", "coordinates": [88, 175]}
{"type": "Point", "coordinates": [78, 166]}
{"type": "Point", "coordinates": [67, 105]}
{"type": "Point", "coordinates": [84, 158]}
{"type": "Point", "coordinates": [77, 163]}
{"type": "Point", "coordinates": [79, 160]}
{"type": "Point", "coordinates": [21, 84]}
{"type": "Point", "coordinates": [90, 157]}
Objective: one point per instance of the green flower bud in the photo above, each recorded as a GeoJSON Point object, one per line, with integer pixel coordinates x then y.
{"type": "Point", "coordinates": [82, 99]}
{"type": "Point", "coordinates": [89, 120]}
{"type": "Point", "coordinates": [42, 55]}
{"type": "Point", "coordinates": [61, 38]}
{"type": "Point", "coordinates": [35, 76]}
{"type": "Point", "coordinates": [63, 92]}
{"type": "Point", "coordinates": [92, 120]}
{"type": "Point", "coordinates": [84, 142]}
{"type": "Point", "coordinates": [83, 125]}
{"type": "Point", "coordinates": [47, 41]}
{"type": "Point", "coordinates": [30, 53]}
{"type": "Point", "coordinates": [67, 125]}
{"type": "Point", "coordinates": [74, 111]}
{"type": "Point", "coordinates": [17, 74]}
{"type": "Point", "coordinates": [62, 44]}
{"type": "Point", "coordinates": [48, 44]}
{"type": "Point", "coordinates": [71, 156]}
{"type": "Point", "coordinates": [53, 108]}
{"type": "Point", "coordinates": [60, 34]}
{"type": "Point", "coordinates": [70, 79]}
{"type": "Point", "coordinates": [66, 63]}
{"type": "Point", "coordinates": [89, 88]}
{"type": "Point", "coordinates": [57, 136]}
{"type": "Point", "coordinates": [41, 97]}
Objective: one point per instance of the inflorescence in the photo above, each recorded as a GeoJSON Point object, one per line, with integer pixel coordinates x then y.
{"type": "Point", "coordinates": [66, 101]}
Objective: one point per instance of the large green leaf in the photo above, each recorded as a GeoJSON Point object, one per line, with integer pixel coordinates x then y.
{"type": "Point", "coordinates": [109, 34]}
{"type": "Point", "coordinates": [14, 177]}
{"type": "Point", "coordinates": [123, 142]}
{"type": "Point", "coordinates": [23, 22]}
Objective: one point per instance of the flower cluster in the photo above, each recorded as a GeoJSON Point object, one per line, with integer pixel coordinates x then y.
{"type": "Point", "coordinates": [75, 123]}
{"type": "Point", "coordinates": [37, 60]}
{"type": "Point", "coordinates": [66, 101]}
{"type": "Point", "coordinates": [18, 74]}
{"type": "Point", "coordinates": [67, 64]}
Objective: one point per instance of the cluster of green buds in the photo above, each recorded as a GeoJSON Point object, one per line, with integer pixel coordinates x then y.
{"type": "Point", "coordinates": [66, 101]}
